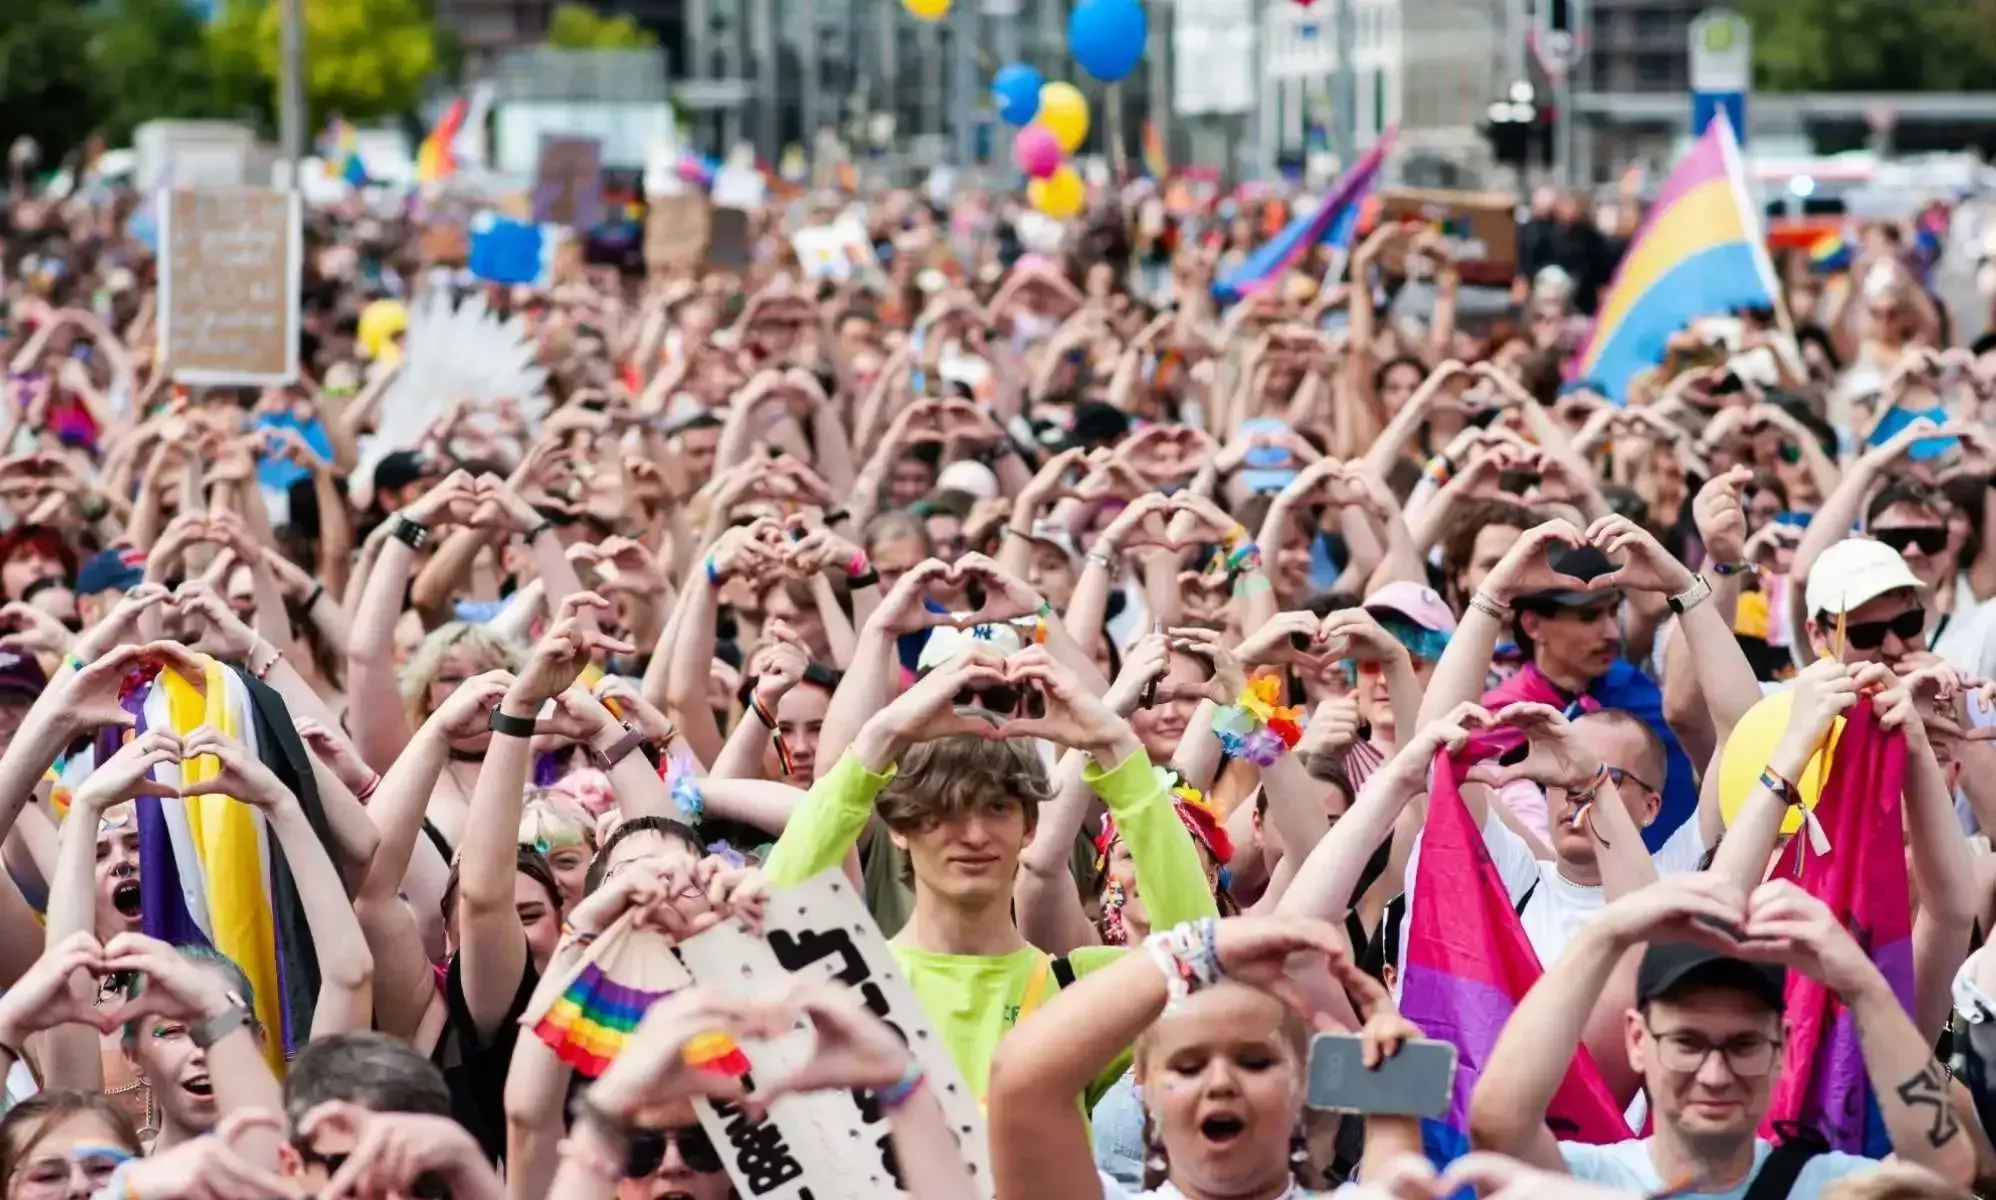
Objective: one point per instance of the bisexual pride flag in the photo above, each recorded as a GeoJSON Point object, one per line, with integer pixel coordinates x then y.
{"type": "Point", "coordinates": [1699, 253]}
{"type": "Point", "coordinates": [1468, 965]}
{"type": "Point", "coordinates": [1863, 880]}
{"type": "Point", "coordinates": [1330, 222]}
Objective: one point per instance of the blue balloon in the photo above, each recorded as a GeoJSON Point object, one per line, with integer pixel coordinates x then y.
{"type": "Point", "coordinates": [1017, 90]}
{"type": "Point", "coordinates": [1107, 37]}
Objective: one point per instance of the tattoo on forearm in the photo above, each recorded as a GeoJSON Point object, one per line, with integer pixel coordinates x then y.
{"type": "Point", "coordinates": [1929, 1089]}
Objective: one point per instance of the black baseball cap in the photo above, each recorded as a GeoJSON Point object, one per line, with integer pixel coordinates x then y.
{"type": "Point", "coordinates": [398, 469]}
{"type": "Point", "coordinates": [1582, 562]}
{"type": "Point", "coordinates": [1671, 966]}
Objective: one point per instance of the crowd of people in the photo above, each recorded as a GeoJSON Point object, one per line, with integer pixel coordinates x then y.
{"type": "Point", "coordinates": [1122, 650]}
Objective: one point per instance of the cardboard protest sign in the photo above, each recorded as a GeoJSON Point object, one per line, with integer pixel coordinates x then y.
{"type": "Point", "coordinates": [835, 251]}
{"type": "Point", "coordinates": [676, 231]}
{"type": "Point", "coordinates": [829, 1144]}
{"type": "Point", "coordinates": [728, 239]}
{"type": "Point", "coordinates": [568, 182]}
{"type": "Point", "coordinates": [230, 266]}
{"type": "Point", "coordinates": [1482, 227]}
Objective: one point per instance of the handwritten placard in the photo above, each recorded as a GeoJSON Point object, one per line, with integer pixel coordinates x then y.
{"type": "Point", "coordinates": [568, 182]}
{"type": "Point", "coordinates": [821, 928]}
{"type": "Point", "coordinates": [676, 229]}
{"type": "Point", "coordinates": [230, 275]}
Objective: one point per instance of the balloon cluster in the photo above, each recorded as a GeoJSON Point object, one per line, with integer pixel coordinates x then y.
{"type": "Point", "coordinates": [1107, 38]}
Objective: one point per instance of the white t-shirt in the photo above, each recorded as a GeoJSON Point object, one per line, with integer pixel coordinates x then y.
{"type": "Point", "coordinates": [1967, 638]}
{"type": "Point", "coordinates": [1111, 1190]}
{"type": "Point", "coordinates": [1626, 1166]}
{"type": "Point", "coordinates": [1557, 907]}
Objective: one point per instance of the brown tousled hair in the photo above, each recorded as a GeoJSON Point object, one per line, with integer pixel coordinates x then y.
{"type": "Point", "coordinates": [944, 779]}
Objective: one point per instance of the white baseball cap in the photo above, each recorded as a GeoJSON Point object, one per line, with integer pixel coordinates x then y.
{"type": "Point", "coordinates": [1853, 573]}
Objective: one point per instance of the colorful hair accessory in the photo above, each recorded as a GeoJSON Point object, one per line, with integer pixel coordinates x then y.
{"type": "Point", "coordinates": [685, 791]}
{"type": "Point", "coordinates": [716, 1053]}
{"type": "Point", "coordinates": [728, 854]}
{"type": "Point", "coordinates": [1257, 728]}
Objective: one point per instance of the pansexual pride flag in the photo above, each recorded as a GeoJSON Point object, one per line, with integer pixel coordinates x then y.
{"type": "Point", "coordinates": [1700, 252]}
{"type": "Point", "coordinates": [1469, 963]}
{"type": "Point", "coordinates": [1863, 880]}
{"type": "Point", "coordinates": [1335, 217]}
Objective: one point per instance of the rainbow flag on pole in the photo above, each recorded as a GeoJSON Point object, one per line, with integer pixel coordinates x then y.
{"type": "Point", "coordinates": [1700, 252]}
{"type": "Point", "coordinates": [436, 158]}
{"type": "Point", "coordinates": [1335, 218]}
{"type": "Point", "coordinates": [1469, 964]}
{"type": "Point", "coordinates": [1863, 880]}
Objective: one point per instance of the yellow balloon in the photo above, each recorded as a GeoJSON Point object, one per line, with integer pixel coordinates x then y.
{"type": "Point", "coordinates": [1060, 195]}
{"type": "Point", "coordinates": [1064, 113]}
{"type": "Point", "coordinates": [1747, 752]}
{"type": "Point", "coordinates": [927, 10]}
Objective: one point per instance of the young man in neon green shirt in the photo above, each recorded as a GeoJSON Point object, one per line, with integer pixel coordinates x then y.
{"type": "Point", "coordinates": [958, 792]}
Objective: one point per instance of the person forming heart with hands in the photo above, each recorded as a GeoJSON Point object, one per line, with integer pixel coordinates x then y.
{"type": "Point", "coordinates": [1708, 1036]}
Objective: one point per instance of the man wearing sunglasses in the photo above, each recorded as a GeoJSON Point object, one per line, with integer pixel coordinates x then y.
{"type": "Point", "coordinates": [1912, 519]}
{"type": "Point", "coordinates": [1866, 603]}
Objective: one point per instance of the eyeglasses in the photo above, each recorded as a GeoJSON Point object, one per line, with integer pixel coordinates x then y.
{"type": "Point", "coordinates": [696, 1150]}
{"type": "Point", "coordinates": [1931, 539]}
{"type": "Point", "coordinates": [50, 1174]}
{"type": "Point", "coordinates": [1870, 635]}
{"type": "Point", "coordinates": [1749, 1056]}
{"type": "Point", "coordinates": [1621, 777]}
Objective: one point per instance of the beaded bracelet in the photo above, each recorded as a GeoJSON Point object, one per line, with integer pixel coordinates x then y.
{"type": "Point", "coordinates": [1738, 568]}
{"type": "Point", "coordinates": [1186, 956]}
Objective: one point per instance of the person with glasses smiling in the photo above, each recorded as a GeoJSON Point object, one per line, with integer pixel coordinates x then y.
{"type": "Point", "coordinates": [1707, 1035]}
{"type": "Point", "coordinates": [1866, 604]}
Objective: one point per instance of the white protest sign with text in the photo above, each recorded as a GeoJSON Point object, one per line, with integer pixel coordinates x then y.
{"type": "Point", "coordinates": [231, 265]}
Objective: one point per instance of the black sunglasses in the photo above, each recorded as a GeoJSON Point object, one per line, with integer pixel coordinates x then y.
{"type": "Point", "coordinates": [696, 1150]}
{"type": "Point", "coordinates": [427, 1186]}
{"type": "Point", "coordinates": [1870, 635]}
{"type": "Point", "coordinates": [1931, 539]}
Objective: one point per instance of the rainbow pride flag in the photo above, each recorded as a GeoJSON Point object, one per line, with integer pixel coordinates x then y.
{"type": "Point", "coordinates": [436, 158]}
{"type": "Point", "coordinates": [1335, 218]}
{"type": "Point", "coordinates": [1700, 252]}
{"type": "Point", "coordinates": [1468, 965]}
{"type": "Point", "coordinates": [1831, 253]}
{"type": "Point", "coordinates": [1863, 880]}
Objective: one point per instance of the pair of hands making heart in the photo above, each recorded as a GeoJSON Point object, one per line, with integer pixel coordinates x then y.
{"type": "Point", "coordinates": [1642, 562]}
{"type": "Point", "coordinates": [474, 502]}
{"type": "Point", "coordinates": [1556, 757]}
{"type": "Point", "coordinates": [229, 770]}
{"type": "Point", "coordinates": [62, 987]}
{"type": "Point", "coordinates": [1777, 923]}
{"type": "Point", "coordinates": [1064, 710]}
{"type": "Point", "coordinates": [921, 598]}
{"type": "Point", "coordinates": [380, 1154]}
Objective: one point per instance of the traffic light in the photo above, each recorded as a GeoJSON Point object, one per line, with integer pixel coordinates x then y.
{"type": "Point", "coordinates": [1513, 124]}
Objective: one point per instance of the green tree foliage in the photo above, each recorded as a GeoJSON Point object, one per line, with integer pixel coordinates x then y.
{"type": "Point", "coordinates": [72, 67]}
{"type": "Point", "coordinates": [364, 59]}
{"type": "Point", "coordinates": [579, 27]}
{"type": "Point", "coordinates": [49, 90]}
{"type": "Point", "coordinates": [1872, 45]}
{"type": "Point", "coordinates": [154, 61]}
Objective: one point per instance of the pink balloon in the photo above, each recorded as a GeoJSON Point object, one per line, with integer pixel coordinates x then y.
{"type": "Point", "coordinates": [1036, 152]}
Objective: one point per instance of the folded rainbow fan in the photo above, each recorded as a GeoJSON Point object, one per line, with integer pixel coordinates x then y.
{"type": "Point", "coordinates": [624, 972]}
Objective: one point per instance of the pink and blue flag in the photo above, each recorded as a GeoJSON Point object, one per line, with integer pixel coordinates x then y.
{"type": "Point", "coordinates": [1331, 222]}
{"type": "Point", "coordinates": [1468, 965]}
{"type": "Point", "coordinates": [1699, 253]}
{"type": "Point", "coordinates": [1863, 880]}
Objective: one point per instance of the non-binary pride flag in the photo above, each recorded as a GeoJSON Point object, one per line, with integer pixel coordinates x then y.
{"type": "Point", "coordinates": [1335, 217]}
{"type": "Point", "coordinates": [1863, 880]}
{"type": "Point", "coordinates": [1700, 252]}
{"type": "Point", "coordinates": [1468, 965]}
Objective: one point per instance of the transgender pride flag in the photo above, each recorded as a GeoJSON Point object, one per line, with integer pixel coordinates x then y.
{"type": "Point", "coordinates": [1469, 963]}
{"type": "Point", "coordinates": [1863, 880]}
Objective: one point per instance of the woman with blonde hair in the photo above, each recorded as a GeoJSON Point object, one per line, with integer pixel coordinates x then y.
{"type": "Point", "coordinates": [450, 655]}
{"type": "Point", "coordinates": [564, 833]}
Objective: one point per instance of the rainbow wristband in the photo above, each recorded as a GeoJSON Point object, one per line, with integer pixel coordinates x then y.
{"type": "Point", "coordinates": [72, 662]}
{"type": "Point", "coordinates": [713, 576]}
{"type": "Point", "coordinates": [897, 1094]}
